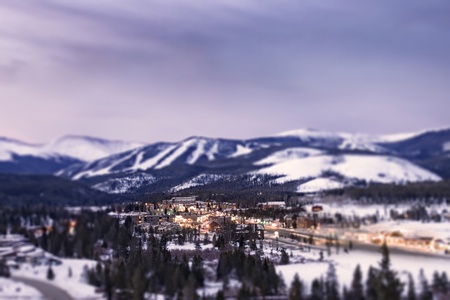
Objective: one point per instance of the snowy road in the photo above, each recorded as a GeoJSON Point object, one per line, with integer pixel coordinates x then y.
{"type": "Point", "coordinates": [50, 292]}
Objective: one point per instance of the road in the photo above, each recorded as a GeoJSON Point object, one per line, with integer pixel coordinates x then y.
{"type": "Point", "coordinates": [50, 292]}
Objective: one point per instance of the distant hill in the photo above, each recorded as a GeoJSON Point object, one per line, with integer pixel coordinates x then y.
{"type": "Point", "coordinates": [18, 190]}
{"type": "Point", "coordinates": [309, 160]}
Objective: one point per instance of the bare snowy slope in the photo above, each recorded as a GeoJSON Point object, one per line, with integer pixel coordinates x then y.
{"type": "Point", "coordinates": [370, 168]}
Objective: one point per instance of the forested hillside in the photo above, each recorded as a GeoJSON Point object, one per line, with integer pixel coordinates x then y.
{"type": "Point", "coordinates": [18, 190]}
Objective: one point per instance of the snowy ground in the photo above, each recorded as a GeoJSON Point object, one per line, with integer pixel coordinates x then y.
{"type": "Point", "coordinates": [430, 229]}
{"type": "Point", "coordinates": [75, 286]}
{"type": "Point", "coordinates": [11, 289]}
{"type": "Point", "coordinates": [346, 263]}
{"type": "Point", "coordinates": [188, 246]}
{"type": "Point", "coordinates": [350, 208]}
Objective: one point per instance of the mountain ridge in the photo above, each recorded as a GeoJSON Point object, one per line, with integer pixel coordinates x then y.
{"type": "Point", "coordinates": [201, 160]}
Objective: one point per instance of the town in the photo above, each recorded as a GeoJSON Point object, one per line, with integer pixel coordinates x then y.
{"type": "Point", "coordinates": [92, 242]}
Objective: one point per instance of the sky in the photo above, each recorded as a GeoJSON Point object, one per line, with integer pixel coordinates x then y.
{"type": "Point", "coordinates": [145, 70]}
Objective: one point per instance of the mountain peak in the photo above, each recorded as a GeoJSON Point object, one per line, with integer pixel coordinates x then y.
{"type": "Point", "coordinates": [88, 148]}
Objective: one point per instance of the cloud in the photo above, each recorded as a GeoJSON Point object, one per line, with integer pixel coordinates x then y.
{"type": "Point", "coordinates": [164, 70]}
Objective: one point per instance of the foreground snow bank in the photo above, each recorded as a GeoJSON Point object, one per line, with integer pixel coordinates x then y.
{"type": "Point", "coordinates": [75, 285]}
{"type": "Point", "coordinates": [11, 289]}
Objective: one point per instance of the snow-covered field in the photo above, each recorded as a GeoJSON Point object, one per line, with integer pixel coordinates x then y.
{"type": "Point", "coordinates": [11, 289]}
{"type": "Point", "coordinates": [351, 208]}
{"type": "Point", "coordinates": [346, 263]}
{"type": "Point", "coordinates": [75, 285]}
{"type": "Point", "coordinates": [410, 228]}
{"type": "Point", "coordinates": [189, 246]}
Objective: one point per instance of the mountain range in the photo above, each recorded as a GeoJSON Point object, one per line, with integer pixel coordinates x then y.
{"type": "Point", "coordinates": [314, 160]}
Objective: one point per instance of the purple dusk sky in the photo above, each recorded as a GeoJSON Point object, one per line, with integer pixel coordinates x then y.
{"type": "Point", "coordinates": [165, 70]}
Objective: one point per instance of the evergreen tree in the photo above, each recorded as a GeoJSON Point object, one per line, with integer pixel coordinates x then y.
{"type": "Point", "coordinates": [108, 283]}
{"type": "Point", "coordinates": [198, 246]}
{"type": "Point", "coordinates": [346, 295]}
{"type": "Point", "coordinates": [372, 284]}
{"type": "Point", "coordinates": [445, 283]}
{"type": "Point", "coordinates": [206, 240]}
{"type": "Point", "coordinates": [50, 273]}
{"type": "Point", "coordinates": [331, 284]}
{"type": "Point", "coordinates": [425, 293]}
{"type": "Point", "coordinates": [139, 284]}
{"type": "Point", "coordinates": [440, 283]}
{"type": "Point", "coordinates": [411, 294]}
{"type": "Point", "coordinates": [119, 278]}
{"type": "Point", "coordinates": [197, 270]}
{"type": "Point", "coordinates": [317, 290]}
{"type": "Point", "coordinates": [4, 269]}
{"type": "Point", "coordinates": [284, 260]}
{"type": "Point", "coordinates": [390, 286]}
{"type": "Point", "coordinates": [296, 290]}
{"type": "Point", "coordinates": [189, 290]}
{"type": "Point", "coordinates": [357, 289]}
{"type": "Point", "coordinates": [220, 295]}
{"type": "Point", "coordinates": [244, 293]}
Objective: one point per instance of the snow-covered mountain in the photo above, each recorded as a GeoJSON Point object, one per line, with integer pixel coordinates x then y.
{"type": "Point", "coordinates": [370, 168]}
{"type": "Point", "coordinates": [331, 159]}
{"type": "Point", "coordinates": [194, 151]}
{"type": "Point", "coordinates": [20, 157]}
{"type": "Point", "coordinates": [82, 148]}
{"type": "Point", "coordinates": [10, 148]}
{"type": "Point", "coordinates": [86, 148]}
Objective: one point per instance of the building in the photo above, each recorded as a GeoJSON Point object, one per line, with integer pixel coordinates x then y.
{"type": "Point", "coordinates": [272, 204]}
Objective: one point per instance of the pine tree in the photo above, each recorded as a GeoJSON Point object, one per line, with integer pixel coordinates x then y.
{"type": "Point", "coordinates": [411, 294]}
{"type": "Point", "coordinates": [372, 284]}
{"type": "Point", "coordinates": [244, 293]}
{"type": "Point", "coordinates": [331, 284]}
{"type": "Point", "coordinates": [425, 293]}
{"type": "Point", "coordinates": [220, 295]}
{"type": "Point", "coordinates": [198, 246]}
{"type": "Point", "coordinates": [119, 277]}
{"type": "Point", "coordinates": [4, 269]}
{"type": "Point", "coordinates": [139, 284]}
{"type": "Point", "coordinates": [346, 295]}
{"type": "Point", "coordinates": [189, 290]}
{"type": "Point", "coordinates": [197, 270]}
{"type": "Point", "coordinates": [284, 260]}
{"type": "Point", "coordinates": [445, 283]}
{"type": "Point", "coordinates": [296, 290]}
{"type": "Point", "coordinates": [50, 273]}
{"type": "Point", "coordinates": [108, 283]}
{"type": "Point", "coordinates": [357, 289]}
{"type": "Point", "coordinates": [317, 290]}
{"type": "Point", "coordinates": [390, 286]}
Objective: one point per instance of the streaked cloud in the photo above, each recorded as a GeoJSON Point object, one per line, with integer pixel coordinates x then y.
{"type": "Point", "coordinates": [165, 70]}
